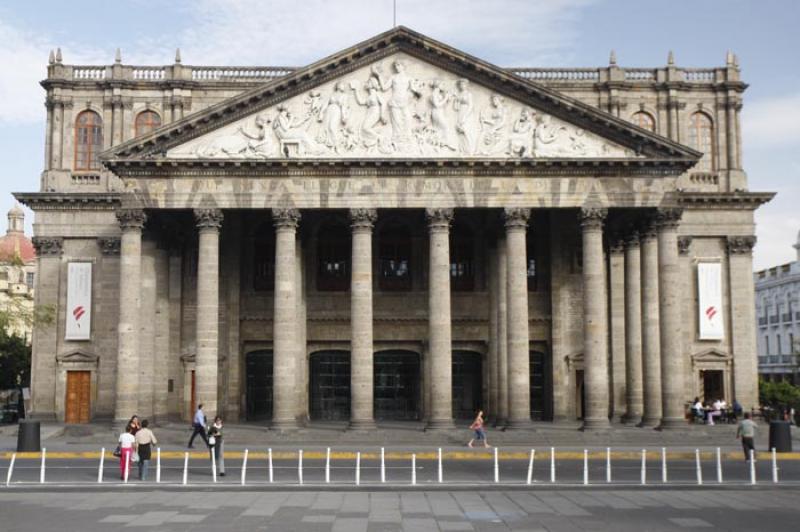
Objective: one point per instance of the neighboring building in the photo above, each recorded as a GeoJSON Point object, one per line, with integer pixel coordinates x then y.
{"type": "Point", "coordinates": [778, 314]}
{"type": "Point", "coordinates": [17, 274]}
{"type": "Point", "coordinates": [399, 231]}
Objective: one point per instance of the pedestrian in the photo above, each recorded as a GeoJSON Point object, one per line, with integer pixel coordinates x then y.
{"type": "Point", "coordinates": [126, 443]}
{"type": "Point", "coordinates": [198, 426]}
{"type": "Point", "coordinates": [134, 424]}
{"type": "Point", "coordinates": [216, 444]}
{"type": "Point", "coordinates": [145, 439]}
{"type": "Point", "coordinates": [480, 432]}
{"type": "Point", "coordinates": [747, 432]}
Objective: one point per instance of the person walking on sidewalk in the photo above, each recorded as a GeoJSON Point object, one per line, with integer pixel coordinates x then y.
{"type": "Point", "coordinates": [216, 444]}
{"type": "Point", "coordinates": [145, 439]}
{"type": "Point", "coordinates": [480, 432]}
{"type": "Point", "coordinates": [126, 443]}
{"type": "Point", "coordinates": [747, 432]}
{"type": "Point", "coordinates": [198, 426]}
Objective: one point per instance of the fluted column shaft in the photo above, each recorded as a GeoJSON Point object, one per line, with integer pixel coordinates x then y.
{"type": "Point", "coordinates": [209, 222]}
{"type": "Point", "coordinates": [131, 222]}
{"type": "Point", "coordinates": [361, 335]}
{"type": "Point", "coordinates": [439, 322]}
{"type": "Point", "coordinates": [651, 340]}
{"type": "Point", "coordinates": [284, 333]}
{"type": "Point", "coordinates": [633, 329]}
{"type": "Point", "coordinates": [595, 322]}
{"type": "Point", "coordinates": [518, 370]}
{"type": "Point", "coordinates": [670, 311]}
{"type": "Point", "coordinates": [502, 333]}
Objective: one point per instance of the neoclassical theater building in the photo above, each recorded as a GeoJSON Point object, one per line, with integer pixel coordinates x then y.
{"type": "Point", "coordinates": [399, 231]}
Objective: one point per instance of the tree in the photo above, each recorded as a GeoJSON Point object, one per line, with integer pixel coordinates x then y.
{"type": "Point", "coordinates": [15, 351]}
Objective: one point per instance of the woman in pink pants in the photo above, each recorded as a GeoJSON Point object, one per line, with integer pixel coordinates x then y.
{"type": "Point", "coordinates": [126, 441]}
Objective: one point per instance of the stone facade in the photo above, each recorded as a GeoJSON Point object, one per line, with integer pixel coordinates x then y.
{"type": "Point", "coordinates": [17, 275]}
{"type": "Point", "coordinates": [399, 231]}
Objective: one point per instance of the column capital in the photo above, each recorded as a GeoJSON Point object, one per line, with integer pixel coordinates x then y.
{"type": "Point", "coordinates": [593, 218]}
{"type": "Point", "coordinates": [48, 246]}
{"type": "Point", "coordinates": [363, 218]}
{"type": "Point", "coordinates": [668, 218]}
{"type": "Point", "coordinates": [516, 217]}
{"type": "Point", "coordinates": [648, 229]}
{"type": "Point", "coordinates": [439, 218]}
{"type": "Point", "coordinates": [131, 218]}
{"type": "Point", "coordinates": [286, 218]}
{"type": "Point", "coordinates": [109, 246]}
{"type": "Point", "coordinates": [741, 245]}
{"type": "Point", "coordinates": [616, 243]}
{"type": "Point", "coordinates": [684, 243]}
{"type": "Point", "coordinates": [632, 238]}
{"type": "Point", "coordinates": [208, 218]}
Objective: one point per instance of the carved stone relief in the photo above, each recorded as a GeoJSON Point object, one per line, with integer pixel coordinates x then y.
{"type": "Point", "coordinates": [400, 107]}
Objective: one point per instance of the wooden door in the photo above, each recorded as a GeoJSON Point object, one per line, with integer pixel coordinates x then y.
{"type": "Point", "coordinates": [194, 398]}
{"type": "Point", "coordinates": [78, 397]}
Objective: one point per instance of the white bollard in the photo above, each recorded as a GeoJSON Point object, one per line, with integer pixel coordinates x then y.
{"type": "Point", "coordinates": [214, 465]}
{"type": "Point", "coordinates": [774, 466]}
{"type": "Point", "coordinates": [608, 464]}
{"type": "Point", "coordinates": [127, 467]}
{"type": "Point", "coordinates": [11, 469]}
{"type": "Point", "coordinates": [585, 467]}
{"type": "Point", "coordinates": [697, 465]}
{"type": "Point", "coordinates": [185, 468]}
{"type": "Point", "coordinates": [300, 466]}
{"type": "Point", "coordinates": [719, 466]}
{"type": "Point", "coordinates": [552, 464]}
{"type": "Point", "coordinates": [158, 465]}
{"type": "Point", "coordinates": [644, 467]}
{"type": "Point", "coordinates": [269, 464]}
{"type": "Point", "coordinates": [530, 467]}
{"type": "Point", "coordinates": [383, 466]}
{"type": "Point", "coordinates": [100, 468]}
{"type": "Point", "coordinates": [440, 465]}
{"type": "Point", "coordinates": [752, 467]}
{"type": "Point", "coordinates": [413, 469]}
{"type": "Point", "coordinates": [328, 466]}
{"type": "Point", "coordinates": [41, 471]}
{"type": "Point", "coordinates": [496, 467]}
{"type": "Point", "coordinates": [664, 465]}
{"type": "Point", "coordinates": [358, 468]}
{"type": "Point", "coordinates": [244, 467]}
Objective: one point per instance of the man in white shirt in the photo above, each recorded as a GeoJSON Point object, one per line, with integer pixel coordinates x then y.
{"type": "Point", "coordinates": [199, 426]}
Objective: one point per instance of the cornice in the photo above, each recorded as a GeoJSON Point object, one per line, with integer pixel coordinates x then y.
{"type": "Point", "coordinates": [724, 200]}
{"type": "Point", "coordinates": [69, 201]}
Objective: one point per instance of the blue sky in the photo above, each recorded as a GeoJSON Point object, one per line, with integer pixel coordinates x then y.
{"type": "Point", "coordinates": [763, 33]}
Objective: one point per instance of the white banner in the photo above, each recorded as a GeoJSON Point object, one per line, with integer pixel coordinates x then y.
{"type": "Point", "coordinates": [79, 301]}
{"type": "Point", "coordinates": [709, 300]}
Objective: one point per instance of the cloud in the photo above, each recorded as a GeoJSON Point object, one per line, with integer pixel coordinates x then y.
{"type": "Point", "coordinates": [772, 122]}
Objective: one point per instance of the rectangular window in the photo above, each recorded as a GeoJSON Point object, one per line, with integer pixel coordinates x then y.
{"type": "Point", "coordinates": [29, 278]}
{"type": "Point", "coordinates": [766, 343]}
{"type": "Point", "coordinates": [778, 344]}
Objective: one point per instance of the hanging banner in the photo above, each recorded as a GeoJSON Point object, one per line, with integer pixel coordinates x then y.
{"type": "Point", "coordinates": [709, 300]}
{"type": "Point", "coordinates": [79, 301]}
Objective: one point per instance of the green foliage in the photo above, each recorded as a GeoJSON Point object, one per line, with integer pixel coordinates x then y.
{"type": "Point", "coordinates": [779, 394]}
{"type": "Point", "coordinates": [15, 353]}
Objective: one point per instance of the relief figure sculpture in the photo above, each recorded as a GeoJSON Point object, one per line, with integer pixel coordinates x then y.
{"type": "Point", "coordinates": [333, 115]}
{"type": "Point", "coordinates": [403, 90]}
{"type": "Point", "coordinates": [463, 105]}
{"type": "Point", "coordinates": [521, 140]}
{"type": "Point", "coordinates": [547, 137]}
{"type": "Point", "coordinates": [374, 115]}
{"type": "Point", "coordinates": [439, 123]}
{"type": "Point", "coordinates": [242, 143]}
{"type": "Point", "coordinates": [493, 123]}
{"type": "Point", "coordinates": [290, 132]}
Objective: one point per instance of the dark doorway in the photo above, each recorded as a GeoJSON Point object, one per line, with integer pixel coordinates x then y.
{"type": "Point", "coordinates": [397, 386]}
{"type": "Point", "coordinates": [330, 386]}
{"type": "Point", "coordinates": [580, 403]}
{"type": "Point", "coordinates": [541, 388]}
{"type": "Point", "coordinates": [259, 385]}
{"type": "Point", "coordinates": [713, 386]}
{"type": "Point", "coordinates": [467, 384]}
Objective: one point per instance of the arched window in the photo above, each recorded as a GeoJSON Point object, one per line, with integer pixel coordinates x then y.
{"type": "Point", "coordinates": [644, 120]}
{"type": "Point", "coordinates": [394, 256]}
{"type": "Point", "coordinates": [701, 138]}
{"type": "Point", "coordinates": [88, 140]}
{"type": "Point", "coordinates": [333, 258]}
{"type": "Point", "coordinates": [462, 259]}
{"type": "Point", "coordinates": [147, 121]}
{"type": "Point", "coordinates": [264, 259]}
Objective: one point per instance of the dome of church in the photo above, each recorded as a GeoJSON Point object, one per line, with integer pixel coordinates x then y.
{"type": "Point", "coordinates": [15, 243]}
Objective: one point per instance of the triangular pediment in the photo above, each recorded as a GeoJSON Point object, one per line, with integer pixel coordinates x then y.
{"type": "Point", "coordinates": [404, 96]}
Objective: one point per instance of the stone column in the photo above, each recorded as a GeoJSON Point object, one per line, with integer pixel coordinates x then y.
{"type": "Point", "coordinates": [651, 344]}
{"type": "Point", "coordinates": [284, 333]}
{"type": "Point", "coordinates": [595, 322]}
{"type": "Point", "coordinates": [361, 345]}
{"type": "Point", "coordinates": [147, 329]}
{"type": "Point", "coordinates": [633, 329]}
{"type": "Point", "coordinates": [131, 222]}
{"type": "Point", "coordinates": [743, 340]}
{"type": "Point", "coordinates": [518, 370]}
{"type": "Point", "coordinates": [162, 332]}
{"type": "Point", "coordinates": [492, 358]}
{"type": "Point", "coordinates": [439, 325]}
{"type": "Point", "coordinates": [669, 291]}
{"type": "Point", "coordinates": [502, 333]}
{"type": "Point", "coordinates": [616, 298]}
{"type": "Point", "coordinates": [209, 222]}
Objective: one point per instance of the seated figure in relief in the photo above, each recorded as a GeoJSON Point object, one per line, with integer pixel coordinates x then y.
{"type": "Point", "coordinates": [493, 123]}
{"type": "Point", "coordinates": [291, 131]}
{"type": "Point", "coordinates": [521, 140]}
{"type": "Point", "coordinates": [242, 143]}
{"type": "Point", "coordinates": [548, 139]}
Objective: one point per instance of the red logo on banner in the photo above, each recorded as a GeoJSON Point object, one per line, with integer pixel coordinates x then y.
{"type": "Point", "coordinates": [78, 313]}
{"type": "Point", "coordinates": [711, 312]}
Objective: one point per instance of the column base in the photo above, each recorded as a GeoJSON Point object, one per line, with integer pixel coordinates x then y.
{"type": "Point", "coordinates": [671, 423]}
{"type": "Point", "coordinates": [500, 423]}
{"type": "Point", "coordinates": [284, 424]}
{"type": "Point", "coordinates": [596, 424]}
{"type": "Point", "coordinates": [650, 422]}
{"type": "Point", "coordinates": [440, 424]}
{"type": "Point", "coordinates": [362, 424]}
{"type": "Point", "coordinates": [632, 419]}
{"type": "Point", "coordinates": [519, 424]}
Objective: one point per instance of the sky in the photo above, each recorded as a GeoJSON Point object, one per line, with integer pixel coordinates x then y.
{"type": "Point", "coordinates": [763, 33]}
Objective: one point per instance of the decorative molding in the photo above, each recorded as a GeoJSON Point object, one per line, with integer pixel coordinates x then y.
{"type": "Point", "coordinates": [69, 201]}
{"type": "Point", "coordinates": [363, 219]}
{"type": "Point", "coordinates": [592, 218]}
{"type": "Point", "coordinates": [286, 218]}
{"type": "Point", "coordinates": [684, 243]}
{"type": "Point", "coordinates": [78, 358]}
{"type": "Point", "coordinates": [109, 246]}
{"type": "Point", "coordinates": [724, 200]}
{"type": "Point", "coordinates": [208, 218]}
{"type": "Point", "coordinates": [439, 218]}
{"type": "Point", "coordinates": [131, 218]}
{"type": "Point", "coordinates": [48, 246]}
{"type": "Point", "coordinates": [741, 245]}
{"type": "Point", "coordinates": [668, 218]}
{"type": "Point", "coordinates": [516, 217]}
